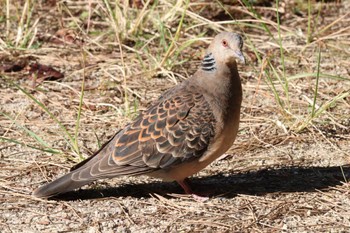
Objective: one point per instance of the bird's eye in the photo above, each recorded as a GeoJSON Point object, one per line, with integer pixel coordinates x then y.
{"type": "Point", "coordinates": [224, 43]}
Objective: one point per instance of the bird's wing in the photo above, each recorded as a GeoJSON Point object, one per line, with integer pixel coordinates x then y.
{"type": "Point", "coordinates": [173, 130]}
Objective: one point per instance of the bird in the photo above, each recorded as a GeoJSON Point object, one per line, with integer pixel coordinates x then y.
{"type": "Point", "coordinates": [188, 127]}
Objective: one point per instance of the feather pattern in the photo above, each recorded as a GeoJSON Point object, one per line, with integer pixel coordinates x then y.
{"type": "Point", "coordinates": [208, 62]}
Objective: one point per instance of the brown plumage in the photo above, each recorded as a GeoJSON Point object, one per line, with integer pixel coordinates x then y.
{"type": "Point", "coordinates": [182, 132]}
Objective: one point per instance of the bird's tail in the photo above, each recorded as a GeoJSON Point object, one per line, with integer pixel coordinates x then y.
{"type": "Point", "coordinates": [60, 185]}
{"type": "Point", "coordinates": [78, 176]}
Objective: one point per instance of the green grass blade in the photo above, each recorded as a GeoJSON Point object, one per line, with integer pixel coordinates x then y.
{"type": "Point", "coordinates": [77, 123]}
{"type": "Point", "coordinates": [271, 85]}
{"type": "Point", "coordinates": [248, 4]}
{"type": "Point", "coordinates": [316, 86]}
{"type": "Point", "coordinates": [43, 107]}
{"type": "Point", "coordinates": [309, 36]}
{"type": "Point", "coordinates": [285, 80]}
{"type": "Point", "coordinates": [176, 37]}
{"type": "Point", "coordinates": [321, 75]}
{"type": "Point", "coordinates": [49, 150]}
{"type": "Point", "coordinates": [28, 131]}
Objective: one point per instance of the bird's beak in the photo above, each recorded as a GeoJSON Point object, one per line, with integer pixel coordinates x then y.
{"type": "Point", "coordinates": [240, 56]}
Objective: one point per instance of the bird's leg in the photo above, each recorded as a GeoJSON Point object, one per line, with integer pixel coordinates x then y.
{"type": "Point", "coordinates": [185, 185]}
{"type": "Point", "coordinates": [187, 188]}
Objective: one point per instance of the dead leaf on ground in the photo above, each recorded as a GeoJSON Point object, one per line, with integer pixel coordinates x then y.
{"type": "Point", "coordinates": [66, 36]}
{"type": "Point", "coordinates": [13, 64]}
{"type": "Point", "coordinates": [39, 73]}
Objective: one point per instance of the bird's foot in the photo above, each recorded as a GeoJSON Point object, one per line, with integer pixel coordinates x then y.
{"type": "Point", "coordinates": [199, 198]}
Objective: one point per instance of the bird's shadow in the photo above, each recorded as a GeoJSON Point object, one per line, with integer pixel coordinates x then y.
{"type": "Point", "coordinates": [288, 179]}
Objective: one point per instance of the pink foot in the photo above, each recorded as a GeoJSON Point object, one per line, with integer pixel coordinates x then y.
{"type": "Point", "coordinates": [200, 198]}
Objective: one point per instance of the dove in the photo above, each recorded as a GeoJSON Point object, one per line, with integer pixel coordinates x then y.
{"type": "Point", "coordinates": [182, 132]}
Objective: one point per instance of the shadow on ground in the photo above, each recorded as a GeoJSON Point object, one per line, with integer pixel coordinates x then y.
{"type": "Point", "coordinates": [289, 179]}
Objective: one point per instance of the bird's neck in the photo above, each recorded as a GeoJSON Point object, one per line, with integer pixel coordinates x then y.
{"type": "Point", "coordinates": [227, 70]}
{"type": "Point", "coordinates": [225, 78]}
{"type": "Point", "coordinates": [229, 99]}
{"type": "Point", "coordinates": [222, 83]}
{"type": "Point", "coordinates": [230, 70]}
{"type": "Point", "coordinates": [231, 85]}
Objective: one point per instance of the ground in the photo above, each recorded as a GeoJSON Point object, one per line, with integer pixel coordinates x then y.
{"type": "Point", "coordinates": [73, 73]}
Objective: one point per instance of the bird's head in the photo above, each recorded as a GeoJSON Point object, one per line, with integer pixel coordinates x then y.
{"type": "Point", "coordinates": [227, 46]}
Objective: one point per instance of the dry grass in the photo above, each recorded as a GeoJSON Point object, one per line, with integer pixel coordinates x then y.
{"type": "Point", "coordinates": [288, 170]}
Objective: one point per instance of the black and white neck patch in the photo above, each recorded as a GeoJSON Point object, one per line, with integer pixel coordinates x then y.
{"type": "Point", "coordinates": [208, 63]}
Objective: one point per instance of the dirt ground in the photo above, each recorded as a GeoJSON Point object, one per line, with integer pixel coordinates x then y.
{"type": "Point", "coordinates": [286, 172]}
